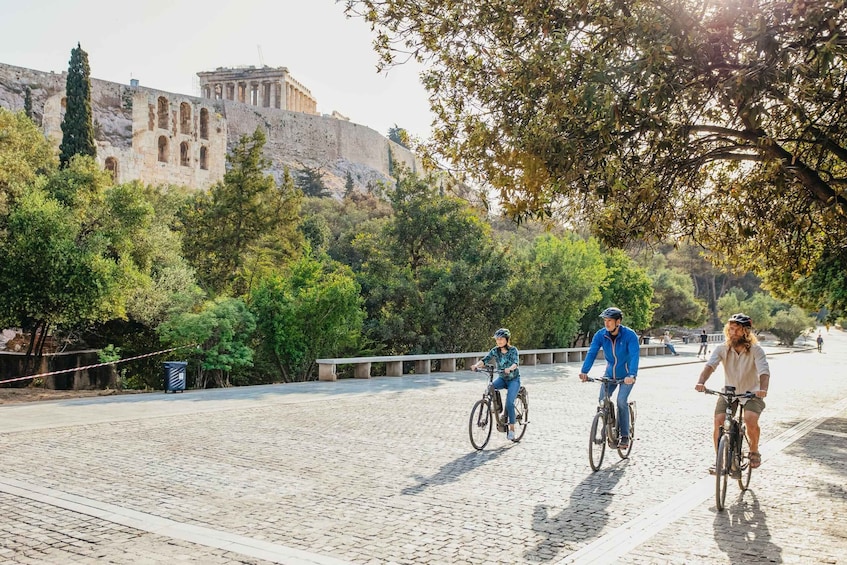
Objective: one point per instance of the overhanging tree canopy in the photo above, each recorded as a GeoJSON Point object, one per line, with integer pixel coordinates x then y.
{"type": "Point", "coordinates": [724, 121]}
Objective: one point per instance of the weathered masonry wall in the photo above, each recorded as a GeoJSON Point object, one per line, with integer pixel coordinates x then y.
{"type": "Point", "coordinates": [142, 134]}
{"type": "Point", "coordinates": [159, 137]}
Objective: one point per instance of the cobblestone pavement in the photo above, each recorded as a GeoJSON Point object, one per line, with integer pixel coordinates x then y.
{"type": "Point", "coordinates": [381, 471]}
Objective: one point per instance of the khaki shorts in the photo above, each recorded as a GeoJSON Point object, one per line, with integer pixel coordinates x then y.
{"type": "Point", "coordinates": [752, 405]}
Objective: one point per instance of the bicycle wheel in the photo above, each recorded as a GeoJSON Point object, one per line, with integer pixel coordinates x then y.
{"type": "Point", "coordinates": [723, 461]}
{"type": "Point", "coordinates": [624, 453]}
{"type": "Point", "coordinates": [479, 426]}
{"type": "Point", "coordinates": [743, 455]}
{"type": "Point", "coordinates": [521, 415]}
{"type": "Point", "coordinates": [597, 441]}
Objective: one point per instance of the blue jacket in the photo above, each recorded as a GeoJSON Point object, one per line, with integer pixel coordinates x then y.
{"type": "Point", "coordinates": [622, 359]}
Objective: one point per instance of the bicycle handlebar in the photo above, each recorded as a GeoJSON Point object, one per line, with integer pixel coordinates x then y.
{"type": "Point", "coordinates": [602, 380]}
{"type": "Point", "coordinates": [730, 395]}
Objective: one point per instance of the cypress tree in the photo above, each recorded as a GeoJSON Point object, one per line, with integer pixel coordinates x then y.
{"type": "Point", "coordinates": [77, 126]}
{"type": "Point", "coordinates": [28, 103]}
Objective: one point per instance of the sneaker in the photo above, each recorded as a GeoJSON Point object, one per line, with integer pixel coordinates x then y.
{"type": "Point", "coordinates": [510, 435]}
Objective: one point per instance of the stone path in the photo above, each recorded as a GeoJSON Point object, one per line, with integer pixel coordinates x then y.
{"type": "Point", "coordinates": [381, 471]}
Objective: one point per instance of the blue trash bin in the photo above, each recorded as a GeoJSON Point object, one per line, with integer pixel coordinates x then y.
{"type": "Point", "coordinates": [175, 376]}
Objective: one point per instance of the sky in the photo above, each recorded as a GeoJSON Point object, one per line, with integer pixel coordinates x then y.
{"type": "Point", "coordinates": [164, 43]}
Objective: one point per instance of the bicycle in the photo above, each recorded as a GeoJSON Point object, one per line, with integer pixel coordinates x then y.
{"type": "Point", "coordinates": [491, 405]}
{"type": "Point", "coordinates": [733, 455]}
{"type": "Point", "coordinates": [604, 427]}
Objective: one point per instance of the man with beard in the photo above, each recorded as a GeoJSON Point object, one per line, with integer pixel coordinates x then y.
{"type": "Point", "coordinates": [746, 368]}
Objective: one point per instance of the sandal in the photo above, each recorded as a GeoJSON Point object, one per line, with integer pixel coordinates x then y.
{"type": "Point", "coordinates": [755, 459]}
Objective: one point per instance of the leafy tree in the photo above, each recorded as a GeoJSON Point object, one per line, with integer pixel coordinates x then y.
{"type": "Point", "coordinates": [28, 102]}
{"type": "Point", "coordinates": [788, 325]}
{"type": "Point", "coordinates": [77, 125]}
{"type": "Point", "coordinates": [724, 121]}
{"type": "Point", "coordinates": [311, 181]}
{"type": "Point", "coordinates": [242, 225]}
{"type": "Point", "coordinates": [314, 311]}
{"type": "Point", "coordinates": [24, 155]}
{"type": "Point", "coordinates": [626, 286]}
{"type": "Point", "coordinates": [675, 301]}
{"type": "Point", "coordinates": [349, 187]}
{"type": "Point", "coordinates": [759, 306]}
{"type": "Point", "coordinates": [557, 279]}
{"type": "Point", "coordinates": [222, 331]}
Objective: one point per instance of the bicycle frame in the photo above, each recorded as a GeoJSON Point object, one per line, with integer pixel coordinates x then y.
{"type": "Point", "coordinates": [730, 459]}
{"type": "Point", "coordinates": [610, 434]}
{"type": "Point", "coordinates": [494, 408]}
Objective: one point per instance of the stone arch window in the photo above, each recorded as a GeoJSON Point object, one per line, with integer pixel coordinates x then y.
{"type": "Point", "coordinates": [204, 123]}
{"type": "Point", "coordinates": [163, 149]}
{"type": "Point", "coordinates": [185, 118]}
{"type": "Point", "coordinates": [204, 158]}
{"type": "Point", "coordinates": [184, 154]}
{"type": "Point", "coordinates": [112, 167]}
{"type": "Point", "coordinates": [163, 112]}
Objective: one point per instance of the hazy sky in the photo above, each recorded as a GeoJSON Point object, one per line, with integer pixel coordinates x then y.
{"type": "Point", "coordinates": [164, 43]}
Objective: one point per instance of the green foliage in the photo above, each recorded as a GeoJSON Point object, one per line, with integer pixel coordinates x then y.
{"type": "Point", "coordinates": [24, 154]}
{"type": "Point", "coordinates": [28, 103]}
{"type": "Point", "coordinates": [245, 225]}
{"type": "Point", "coordinates": [222, 331]}
{"type": "Point", "coordinates": [626, 286]}
{"type": "Point", "coordinates": [52, 270]}
{"type": "Point", "coordinates": [675, 303]}
{"type": "Point", "coordinates": [77, 125]}
{"type": "Point", "coordinates": [312, 312]}
{"type": "Point", "coordinates": [315, 230]}
{"type": "Point", "coordinates": [399, 136]}
{"type": "Point", "coordinates": [759, 306]}
{"type": "Point", "coordinates": [348, 185]}
{"type": "Point", "coordinates": [556, 280]}
{"type": "Point", "coordinates": [788, 325]}
{"type": "Point", "coordinates": [310, 180]}
{"type": "Point", "coordinates": [644, 119]}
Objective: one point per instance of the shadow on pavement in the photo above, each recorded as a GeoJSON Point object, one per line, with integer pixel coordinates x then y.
{"type": "Point", "coordinates": [452, 470]}
{"type": "Point", "coordinates": [741, 531]}
{"type": "Point", "coordinates": [584, 518]}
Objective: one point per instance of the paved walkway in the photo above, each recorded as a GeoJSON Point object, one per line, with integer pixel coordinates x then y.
{"type": "Point", "coordinates": [381, 471]}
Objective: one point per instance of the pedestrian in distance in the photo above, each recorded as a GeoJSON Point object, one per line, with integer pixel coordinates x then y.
{"type": "Point", "coordinates": [704, 345]}
{"type": "Point", "coordinates": [621, 350]}
{"type": "Point", "coordinates": [820, 342]}
{"type": "Point", "coordinates": [745, 367]}
{"type": "Point", "coordinates": [668, 344]}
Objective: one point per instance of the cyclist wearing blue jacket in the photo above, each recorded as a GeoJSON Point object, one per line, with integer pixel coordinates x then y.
{"type": "Point", "coordinates": [506, 357]}
{"type": "Point", "coordinates": [621, 348]}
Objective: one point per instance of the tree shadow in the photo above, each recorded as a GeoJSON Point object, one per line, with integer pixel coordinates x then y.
{"type": "Point", "coordinates": [585, 515]}
{"type": "Point", "coordinates": [741, 532]}
{"type": "Point", "coordinates": [451, 471]}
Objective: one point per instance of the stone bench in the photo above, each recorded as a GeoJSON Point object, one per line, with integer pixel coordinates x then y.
{"type": "Point", "coordinates": [447, 361]}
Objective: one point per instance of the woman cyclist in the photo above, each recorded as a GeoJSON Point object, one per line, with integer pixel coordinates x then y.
{"type": "Point", "coordinates": [505, 357]}
{"type": "Point", "coordinates": [621, 349]}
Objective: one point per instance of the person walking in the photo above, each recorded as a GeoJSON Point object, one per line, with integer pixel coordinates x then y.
{"type": "Point", "coordinates": [704, 345]}
{"type": "Point", "coordinates": [820, 342]}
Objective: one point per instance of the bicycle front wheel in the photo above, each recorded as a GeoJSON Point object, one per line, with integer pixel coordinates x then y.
{"type": "Point", "coordinates": [521, 415]}
{"type": "Point", "coordinates": [743, 455]}
{"type": "Point", "coordinates": [723, 462]}
{"type": "Point", "coordinates": [480, 423]}
{"type": "Point", "coordinates": [624, 453]}
{"type": "Point", "coordinates": [597, 441]}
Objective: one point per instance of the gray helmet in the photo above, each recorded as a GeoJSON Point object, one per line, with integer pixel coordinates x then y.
{"type": "Point", "coordinates": [742, 319]}
{"type": "Point", "coordinates": [503, 332]}
{"type": "Point", "coordinates": [614, 313]}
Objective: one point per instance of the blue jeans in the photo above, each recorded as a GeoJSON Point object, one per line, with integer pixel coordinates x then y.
{"type": "Point", "coordinates": [670, 346]}
{"type": "Point", "coordinates": [513, 387]}
{"type": "Point", "coordinates": [622, 402]}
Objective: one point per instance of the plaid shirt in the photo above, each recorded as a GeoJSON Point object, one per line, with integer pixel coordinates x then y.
{"type": "Point", "coordinates": [504, 360]}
